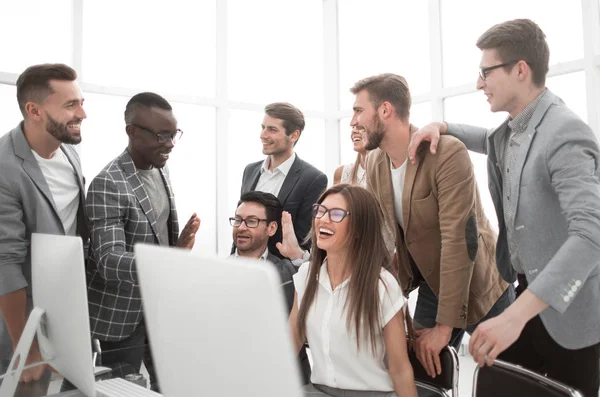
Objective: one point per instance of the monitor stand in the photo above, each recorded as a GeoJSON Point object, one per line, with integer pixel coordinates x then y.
{"type": "Point", "coordinates": [12, 376]}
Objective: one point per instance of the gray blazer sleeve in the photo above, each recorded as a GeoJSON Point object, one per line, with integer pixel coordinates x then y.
{"type": "Point", "coordinates": [474, 138]}
{"type": "Point", "coordinates": [13, 239]}
{"type": "Point", "coordinates": [106, 209]}
{"type": "Point", "coordinates": [572, 158]}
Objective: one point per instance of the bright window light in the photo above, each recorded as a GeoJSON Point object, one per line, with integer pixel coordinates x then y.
{"type": "Point", "coordinates": [35, 31]}
{"type": "Point", "coordinates": [383, 36]}
{"type": "Point", "coordinates": [167, 47]}
{"type": "Point", "coordinates": [460, 31]}
{"type": "Point", "coordinates": [275, 52]}
{"type": "Point", "coordinates": [11, 115]}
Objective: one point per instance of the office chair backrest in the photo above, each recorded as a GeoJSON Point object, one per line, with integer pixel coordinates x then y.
{"type": "Point", "coordinates": [505, 379]}
{"type": "Point", "coordinates": [447, 381]}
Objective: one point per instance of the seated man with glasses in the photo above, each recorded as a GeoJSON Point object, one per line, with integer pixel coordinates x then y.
{"type": "Point", "coordinates": [130, 201]}
{"type": "Point", "coordinates": [255, 221]}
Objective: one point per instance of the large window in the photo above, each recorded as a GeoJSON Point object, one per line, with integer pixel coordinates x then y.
{"type": "Point", "coordinates": [571, 88]}
{"type": "Point", "coordinates": [275, 52]}
{"type": "Point", "coordinates": [10, 109]}
{"type": "Point", "coordinates": [193, 171]}
{"type": "Point", "coordinates": [460, 31]}
{"type": "Point", "coordinates": [383, 36]}
{"type": "Point", "coordinates": [168, 47]}
{"type": "Point", "coordinates": [35, 31]}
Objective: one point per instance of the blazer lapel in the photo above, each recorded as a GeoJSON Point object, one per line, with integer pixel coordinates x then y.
{"type": "Point", "coordinates": [138, 189]}
{"type": "Point", "coordinates": [173, 221]}
{"type": "Point", "coordinates": [290, 180]}
{"type": "Point", "coordinates": [73, 158]}
{"type": "Point", "coordinates": [407, 190]}
{"type": "Point", "coordinates": [494, 172]}
{"type": "Point", "coordinates": [30, 165]}
{"type": "Point", "coordinates": [523, 150]}
{"type": "Point", "coordinates": [252, 180]}
{"type": "Point", "coordinates": [386, 189]}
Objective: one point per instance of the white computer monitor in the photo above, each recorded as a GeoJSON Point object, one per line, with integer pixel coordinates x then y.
{"type": "Point", "coordinates": [59, 315]}
{"type": "Point", "coordinates": [217, 327]}
{"type": "Point", "coordinates": [60, 289]}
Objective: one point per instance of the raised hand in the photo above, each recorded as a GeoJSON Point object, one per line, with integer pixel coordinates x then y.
{"type": "Point", "coordinates": [187, 237]}
{"type": "Point", "coordinates": [289, 246]}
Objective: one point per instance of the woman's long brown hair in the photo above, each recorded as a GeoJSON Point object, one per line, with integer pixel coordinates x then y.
{"type": "Point", "coordinates": [366, 255]}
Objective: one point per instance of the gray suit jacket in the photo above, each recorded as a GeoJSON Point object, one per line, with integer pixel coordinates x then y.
{"type": "Point", "coordinates": [556, 201]}
{"type": "Point", "coordinates": [26, 206]}
{"type": "Point", "coordinates": [286, 271]}
{"type": "Point", "coordinates": [120, 215]}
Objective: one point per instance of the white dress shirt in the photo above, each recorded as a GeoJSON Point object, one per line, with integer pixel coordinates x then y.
{"type": "Point", "coordinates": [336, 360]}
{"type": "Point", "coordinates": [271, 181]}
{"type": "Point", "coordinates": [62, 181]}
{"type": "Point", "coordinates": [264, 256]}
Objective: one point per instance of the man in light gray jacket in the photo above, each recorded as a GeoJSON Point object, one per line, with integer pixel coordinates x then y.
{"type": "Point", "coordinates": [41, 191]}
{"type": "Point", "coordinates": [543, 169]}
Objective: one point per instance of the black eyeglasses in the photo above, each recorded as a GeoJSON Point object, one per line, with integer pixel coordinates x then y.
{"type": "Point", "coordinates": [250, 222]}
{"type": "Point", "coordinates": [335, 214]}
{"type": "Point", "coordinates": [483, 72]}
{"type": "Point", "coordinates": [162, 137]}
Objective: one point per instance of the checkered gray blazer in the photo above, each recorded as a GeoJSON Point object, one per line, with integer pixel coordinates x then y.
{"type": "Point", "coordinates": [120, 215]}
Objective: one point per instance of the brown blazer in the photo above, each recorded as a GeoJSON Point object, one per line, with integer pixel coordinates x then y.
{"type": "Point", "coordinates": [445, 230]}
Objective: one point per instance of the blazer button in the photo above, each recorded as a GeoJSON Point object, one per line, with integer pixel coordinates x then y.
{"type": "Point", "coordinates": [566, 298]}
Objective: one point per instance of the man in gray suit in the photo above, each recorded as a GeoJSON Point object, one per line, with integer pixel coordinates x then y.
{"type": "Point", "coordinates": [254, 222]}
{"type": "Point", "coordinates": [130, 201]}
{"type": "Point", "coordinates": [543, 169]}
{"type": "Point", "coordinates": [296, 183]}
{"type": "Point", "coordinates": [41, 191]}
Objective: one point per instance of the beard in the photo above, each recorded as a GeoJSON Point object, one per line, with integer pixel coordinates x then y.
{"type": "Point", "coordinates": [60, 131]}
{"type": "Point", "coordinates": [374, 137]}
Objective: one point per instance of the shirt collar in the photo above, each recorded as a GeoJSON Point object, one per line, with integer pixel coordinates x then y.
{"type": "Point", "coordinates": [264, 256]}
{"type": "Point", "coordinates": [325, 281]}
{"type": "Point", "coordinates": [519, 123]}
{"type": "Point", "coordinates": [284, 167]}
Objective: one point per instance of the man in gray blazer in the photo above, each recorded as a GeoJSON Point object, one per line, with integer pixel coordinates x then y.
{"type": "Point", "coordinates": [41, 191]}
{"type": "Point", "coordinates": [130, 201]}
{"type": "Point", "coordinates": [543, 169]}
{"type": "Point", "coordinates": [296, 183]}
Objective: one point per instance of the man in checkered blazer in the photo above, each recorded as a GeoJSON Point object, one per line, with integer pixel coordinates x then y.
{"type": "Point", "coordinates": [130, 202]}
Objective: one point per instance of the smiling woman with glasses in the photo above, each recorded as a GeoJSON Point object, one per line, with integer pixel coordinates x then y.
{"type": "Point", "coordinates": [348, 306]}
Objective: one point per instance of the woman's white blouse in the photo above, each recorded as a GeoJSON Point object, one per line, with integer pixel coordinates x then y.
{"type": "Point", "coordinates": [336, 360]}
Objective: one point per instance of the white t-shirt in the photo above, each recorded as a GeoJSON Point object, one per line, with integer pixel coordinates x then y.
{"type": "Point", "coordinates": [62, 181]}
{"type": "Point", "coordinates": [336, 360]}
{"type": "Point", "coordinates": [398, 175]}
{"type": "Point", "coordinates": [271, 182]}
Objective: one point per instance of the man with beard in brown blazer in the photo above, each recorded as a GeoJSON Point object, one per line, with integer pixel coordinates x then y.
{"type": "Point", "coordinates": [434, 220]}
